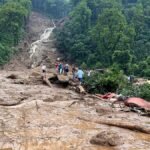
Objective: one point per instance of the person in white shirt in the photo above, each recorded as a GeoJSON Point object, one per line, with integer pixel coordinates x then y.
{"type": "Point", "coordinates": [89, 73]}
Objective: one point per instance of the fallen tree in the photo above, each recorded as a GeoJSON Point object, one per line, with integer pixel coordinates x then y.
{"type": "Point", "coordinates": [121, 124]}
{"type": "Point", "coordinates": [47, 82]}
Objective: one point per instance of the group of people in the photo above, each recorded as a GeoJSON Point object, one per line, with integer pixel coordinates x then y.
{"type": "Point", "coordinates": [61, 68]}
{"type": "Point", "coordinates": [77, 73]}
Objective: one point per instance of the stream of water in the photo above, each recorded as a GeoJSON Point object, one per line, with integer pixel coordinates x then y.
{"type": "Point", "coordinates": [44, 38]}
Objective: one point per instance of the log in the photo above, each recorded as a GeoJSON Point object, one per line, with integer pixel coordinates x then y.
{"type": "Point", "coordinates": [121, 124]}
{"type": "Point", "coordinates": [47, 82]}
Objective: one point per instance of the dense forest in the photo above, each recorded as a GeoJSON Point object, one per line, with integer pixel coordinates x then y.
{"type": "Point", "coordinates": [108, 33]}
{"type": "Point", "coordinates": [97, 33]}
{"type": "Point", "coordinates": [53, 8]}
{"type": "Point", "coordinates": [13, 18]}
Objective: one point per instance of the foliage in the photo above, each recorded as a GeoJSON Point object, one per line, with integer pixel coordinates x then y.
{"type": "Point", "coordinates": [13, 17]}
{"type": "Point", "coordinates": [5, 53]}
{"type": "Point", "coordinates": [108, 32]}
{"type": "Point", "coordinates": [54, 8]}
{"type": "Point", "coordinates": [109, 81]}
{"type": "Point", "coordinates": [142, 91]}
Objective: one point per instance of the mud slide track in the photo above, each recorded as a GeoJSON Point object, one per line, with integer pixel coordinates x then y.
{"type": "Point", "coordinates": [48, 118]}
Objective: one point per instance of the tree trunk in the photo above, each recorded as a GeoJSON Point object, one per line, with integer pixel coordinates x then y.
{"type": "Point", "coordinates": [121, 124]}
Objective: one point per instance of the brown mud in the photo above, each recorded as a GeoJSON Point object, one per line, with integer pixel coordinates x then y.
{"type": "Point", "coordinates": [36, 117]}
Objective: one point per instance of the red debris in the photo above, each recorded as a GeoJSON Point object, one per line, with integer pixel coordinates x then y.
{"type": "Point", "coordinates": [138, 102]}
{"type": "Point", "coordinates": [106, 96]}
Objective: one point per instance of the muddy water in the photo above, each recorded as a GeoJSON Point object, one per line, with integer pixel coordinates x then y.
{"type": "Point", "coordinates": [35, 50]}
{"type": "Point", "coordinates": [46, 120]}
{"type": "Point", "coordinates": [54, 126]}
{"type": "Point", "coordinates": [51, 127]}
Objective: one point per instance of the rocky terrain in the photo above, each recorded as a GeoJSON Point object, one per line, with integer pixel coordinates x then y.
{"type": "Point", "coordinates": [34, 116]}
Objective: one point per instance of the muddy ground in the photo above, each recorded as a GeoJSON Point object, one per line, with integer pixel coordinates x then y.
{"type": "Point", "coordinates": [36, 117]}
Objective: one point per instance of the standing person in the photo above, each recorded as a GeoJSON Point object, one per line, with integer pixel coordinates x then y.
{"type": "Point", "coordinates": [66, 69]}
{"type": "Point", "coordinates": [60, 68]}
{"type": "Point", "coordinates": [56, 66]}
{"type": "Point", "coordinates": [89, 73]}
{"type": "Point", "coordinates": [44, 71]}
{"type": "Point", "coordinates": [80, 75]}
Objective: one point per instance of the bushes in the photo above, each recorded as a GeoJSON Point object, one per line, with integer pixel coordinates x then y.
{"type": "Point", "coordinates": [110, 81]}
{"type": "Point", "coordinates": [102, 33]}
{"type": "Point", "coordinates": [142, 91]}
{"type": "Point", "coordinates": [5, 53]}
{"type": "Point", "coordinates": [115, 81]}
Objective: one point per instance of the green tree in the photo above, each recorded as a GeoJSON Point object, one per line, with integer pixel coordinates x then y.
{"type": "Point", "coordinates": [104, 31]}
{"type": "Point", "coordinates": [122, 59]}
{"type": "Point", "coordinates": [53, 8]}
{"type": "Point", "coordinates": [13, 17]}
{"type": "Point", "coordinates": [111, 34]}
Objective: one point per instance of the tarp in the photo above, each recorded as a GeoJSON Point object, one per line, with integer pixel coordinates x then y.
{"type": "Point", "coordinates": [138, 102]}
{"type": "Point", "coordinates": [107, 96]}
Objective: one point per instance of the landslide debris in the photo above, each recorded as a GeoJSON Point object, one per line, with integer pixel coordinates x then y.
{"type": "Point", "coordinates": [34, 116]}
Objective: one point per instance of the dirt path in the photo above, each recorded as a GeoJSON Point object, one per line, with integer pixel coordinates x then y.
{"type": "Point", "coordinates": [36, 117]}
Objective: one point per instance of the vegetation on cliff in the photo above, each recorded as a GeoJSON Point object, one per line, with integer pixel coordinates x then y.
{"type": "Point", "coordinates": [13, 18]}
{"type": "Point", "coordinates": [106, 33]}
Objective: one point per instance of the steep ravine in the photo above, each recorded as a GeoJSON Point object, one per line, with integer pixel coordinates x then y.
{"type": "Point", "coordinates": [36, 117]}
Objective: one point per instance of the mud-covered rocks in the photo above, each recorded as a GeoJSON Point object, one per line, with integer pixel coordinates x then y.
{"type": "Point", "coordinates": [104, 110]}
{"type": "Point", "coordinates": [63, 78]}
{"type": "Point", "coordinates": [107, 138]}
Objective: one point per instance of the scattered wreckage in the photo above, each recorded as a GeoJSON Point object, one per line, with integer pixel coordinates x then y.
{"type": "Point", "coordinates": [135, 104]}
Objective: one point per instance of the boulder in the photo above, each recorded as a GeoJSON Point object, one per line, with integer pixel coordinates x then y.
{"type": "Point", "coordinates": [106, 138]}
{"type": "Point", "coordinates": [63, 78]}
{"type": "Point", "coordinates": [80, 89]}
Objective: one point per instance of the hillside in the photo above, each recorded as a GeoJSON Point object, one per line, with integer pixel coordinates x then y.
{"type": "Point", "coordinates": [36, 117]}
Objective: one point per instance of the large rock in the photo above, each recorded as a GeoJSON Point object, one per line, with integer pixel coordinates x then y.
{"type": "Point", "coordinates": [63, 78]}
{"type": "Point", "coordinates": [80, 89]}
{"type": "Point", "coordinates": [106, 138]}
